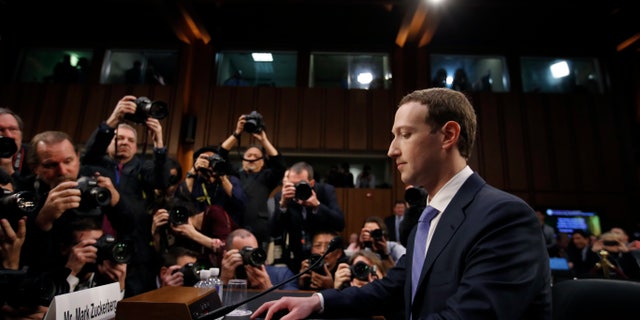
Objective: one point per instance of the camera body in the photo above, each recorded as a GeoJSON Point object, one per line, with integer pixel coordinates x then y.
{"type": "Point", "coordinates": [92, 195]}
{"type": "Point", "coordinates": [14, 206]}
{"type": "Point", "coordinates": [218, 165]}
{"type": "Point", "coordinates": [319, 268]}
{"type": "Point", "coordinates": [254, 122]}
{"type": "Point", "coordinates": [145, 108]}
{"type": "Point", "coordinates": [361, 271]}
{"type": "Point", "coordinates": [113, 250]}
{"type": "Point", "coordinates": [191, 273]}
{"type": "Point", "coordinates": [8, 147]}
{"type": "Point", "coordinates": [303, 191]}
{"type": "Point", "coordinates": [376, 234]}
{"type": "Point", "coordinates": [253, 256]}
{"type": "Point", "coordinates": [179, 215]}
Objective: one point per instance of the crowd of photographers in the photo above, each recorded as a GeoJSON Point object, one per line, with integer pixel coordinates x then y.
{"type": "Point", "coordinates": [72, 220]}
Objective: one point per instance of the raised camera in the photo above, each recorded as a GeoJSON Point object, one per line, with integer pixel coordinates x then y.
{"type": "Point", "coordinates": [303, 191]}
{"type": "Point", "coordinates": [253, 256]}
{"type": "Point", "coordinates": [218, 166]}
{"type": "Point", "coordinates": [92, 195]}
{"type": "Point", "coordinates": [7, 147]}
{"type": "Point", "coordinates": [361, 271]}
{"type": "Point", "coordinates": [190, 273]}
{"type": "Point", "coordinates": [179, 215]}
{"type": "Point", "coordinates": [319, 263]}
{"type": "Point", "coordinates": [14, 206]}
{"type": "Point", "coordinates": [376, 234]}
{"type": "Point", "coordinates": [254, 122]}
{"type": "Point", "coordinates": [113, 250]}
{"type": "Point", "coordinates": [145, 108]}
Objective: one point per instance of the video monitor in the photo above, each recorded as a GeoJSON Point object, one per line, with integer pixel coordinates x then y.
{"type": "Point", "coordinates": [566, 221]}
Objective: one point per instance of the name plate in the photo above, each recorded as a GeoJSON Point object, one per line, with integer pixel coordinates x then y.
{"type": "Point", "coordinates": [94, 303]}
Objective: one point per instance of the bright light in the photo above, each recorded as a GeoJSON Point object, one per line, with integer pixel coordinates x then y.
{"type": "Point", "coordinates": [365, 77]}
{"type": "Point", "coordinates": [449, 80]}
{"type": "Point", "coordinates": [262, 57]}
{"type": "Point", "coordinates": [559, 69]}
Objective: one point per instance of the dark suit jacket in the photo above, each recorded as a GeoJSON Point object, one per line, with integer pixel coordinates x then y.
{"type": "Point", "coordinates": [390, 221]}
{"type": "Point", "coordinates": [487, 260]}
{"type": "Point", "coordinates": [329, 217]}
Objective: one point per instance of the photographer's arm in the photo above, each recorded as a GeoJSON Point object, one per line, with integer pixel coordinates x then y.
{"type": "Point", "coordinates": [12, 241]}
{"type": "Point", "coordinates": [234, 138]}
{"type": "Point", "coordinates": [125, 105]}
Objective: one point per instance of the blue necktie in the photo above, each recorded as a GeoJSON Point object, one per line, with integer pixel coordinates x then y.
{"type": "Point", "coordinates": [420, 246]}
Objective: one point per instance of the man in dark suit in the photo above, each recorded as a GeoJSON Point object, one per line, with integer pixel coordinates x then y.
{"type": "Point", "coordinates": [304, 207]}
{"type": "Point", "coordinates": [484, 257]}
{"type": "Point", "coordinates": [393, 221]}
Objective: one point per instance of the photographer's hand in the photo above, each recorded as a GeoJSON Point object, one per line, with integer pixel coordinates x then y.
{"type": "Point", "coordinates": [343, 274]}
{"type": "Point", "coordinates": [160, 219]}
{"type": "Point", "coordinates": [61, 198]}
{"type": "Point", "coordinates": [125, 105]}
{"type": "Point", "coordinates": [11, 242]}
{"type": "Point", "coordinates": [114, 271]}
{"type": "Point", "coordinates": [172, 277]}
{"type": "Point", "coordinates": [82, 253]}
{"type": "Point", "coordinates": [258, 277]}
{"type": "Point", "coordinates": [230, 261]}
{"type": "Point", "coordinates": [155, 128]}
{"type": "Point", "coordinates": [105, 182]}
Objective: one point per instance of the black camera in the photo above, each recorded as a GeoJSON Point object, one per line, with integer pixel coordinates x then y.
{"type": "Point", "coordinates": [218, 166]}
{"type": "Point", "coordinates": [113, 250]}
{"type": "Point", "coordinates": [319, 267]}
{"type": "Point", "coordinates": [191, 273]}
{"type": "Point", "coordinates": [7, 147]}
{"type": "Point", "coordinates": [146, 108]}
{"type": "Point", "coordinates": [23, 289]}
{"type": "Point", "coordinates": [93, 196]}
{"type": "Point", "coordinates": [180, 215]}
{"type": "Point", "coordinates": [376, 234]}
{"type": "Point", "coordinates": [361, 271]}
{"type": "Point", "coordinates": [303, 191]}
{"type": "Point", "coordinates": [416, 197]}
{"type": "Point", "coordinates": [253, 256]}
{"type": "Point", "coordinates": [14, 206]}
{"type": "Point", "coordinates": [254, 122]}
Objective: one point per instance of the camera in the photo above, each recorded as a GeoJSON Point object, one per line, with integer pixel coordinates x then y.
{"type": "Point", "coordinates": [361, 271]}
{"type": "Point", "coordinates": [303, 190]}
{"type": "Point", "coordinates": [92, 196]}
{"type": "Point", "coordinates": [319, 267]}
{"type": "Point", "coordinates": [146, 108]}
{"type": "Point", "coordinates": [218, 166]}
{"type": "Point", "coordinates": [253, 256]}
{"type": "Point", "coordinates": [416, 197]}
{"type": "Point", "coordinates": [14, 206]}
{"type": "Point", "coordinates": [179, 215]}
{"type": "Point", "coordinates": [254, 122]}
{"type": "Point", "coordinates": [7, 147]}
{"type": "Point", "coordinates": [191, 273]}
{"type": "Point", "coordinates": [376, 234]}
{"type": "Point", "coordinates": [111, 249]}
{"type": "Point", "coordinates": [23, 289]}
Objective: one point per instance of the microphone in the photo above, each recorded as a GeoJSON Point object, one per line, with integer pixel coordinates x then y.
{"type": "Point", "coordinates": [334, 244]}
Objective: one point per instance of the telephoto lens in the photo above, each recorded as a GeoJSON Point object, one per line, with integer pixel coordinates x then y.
{"type": "Point", "coordinates": [253, 256]}
{"type": "Point", "coordinates": [145, 108]}
{"type": "Point", "coordinates": [111, 249]}
{"type": "Point", "coordinates": [303, 190]}
{"type": "Point", "coordinates": [361, 271]}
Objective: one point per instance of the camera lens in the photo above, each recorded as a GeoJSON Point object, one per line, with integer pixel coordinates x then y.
{"type": "Point", "coordinates": [253, 122]}
{"type": "Point", "coordinates": [376, 234]}
{"type": "Point", "coordinates": [179, 215]}
{"type": "Point", "coordinates": [360, 270]}
{"type": "Point", "coordinates": [110, 249]}
{"type": "Point", "coordinates": [303, 190]}
{"type": "Point", "coordinates": [7, 147]}
{"type": "Point", "coordinates": [253, 256]}
{"type": "Point", "coordinates": [146, 108]}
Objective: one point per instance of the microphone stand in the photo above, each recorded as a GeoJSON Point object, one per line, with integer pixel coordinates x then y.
{"type": "Point", "coordinates": [215, 314]}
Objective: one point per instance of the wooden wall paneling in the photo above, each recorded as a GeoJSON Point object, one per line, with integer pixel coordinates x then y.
{"type": "Point", "coordinates": [359, 116]}
{"type": "Point", "coordinates": [336, 121]}
{"type": "Point", "coordinates": [611, 150]}
{"type": "Point", "coordinates": [267, 105]}
{"type": "Point", "coordinates": [362, 203]}
{"type": "Point", "coordinates": [26, 103]}
{"type": "Point", "coordinates": [516, 160]}
{"type": "Point", "coordinates": [286, 127]}
{"type": "Point", "coordinates": [538, 141]}
{"type": "Point", "coordinates": [52, 107]}
{"type": "Point", "coordinates": [341, 194]}
{"type": "Point", "coordinates": [95, 110]}
{"type": "Point", "coordinates": [383, 111]}
{"type": "Point", "coordinates": [312, 119]}
{"type": "Point", "coordinates": [586, 158]}
{"type": "Point", "coordinates": [73, 109]}
{"type": "Point", "coordinates": [204, 102]}
{"type": "Point", "coordinates": [563, 143]}
{"type": "Point", "coordinates": [244, 100]}
{"type": "Point", "coordinates": [489, 132]}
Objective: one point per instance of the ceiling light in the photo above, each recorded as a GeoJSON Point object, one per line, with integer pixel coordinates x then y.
{"type": "Point", "coordinates": [262, 57]}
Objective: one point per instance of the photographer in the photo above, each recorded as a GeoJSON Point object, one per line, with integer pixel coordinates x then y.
{"type": "Point", "coordinates": [262, 171]}
{"type": "Point", "coordinates": [373, 237]}
{"type": "Point", "coordinates": [322, 275]}
{"type": "Point", "coordinates": [113, 150]}
{"type": "Point", "coordinates": [304, 207]}
{"type": "Point", "coordinates": [210, 182]}
{"type": "Point", "coordinates": [244, 259]}
{"type": "Point", "coordinates": [363, 267]}
{"type": "Point", "coordinates": [14, 164]}
{"type": "Point", "coordinates": [178, 268]}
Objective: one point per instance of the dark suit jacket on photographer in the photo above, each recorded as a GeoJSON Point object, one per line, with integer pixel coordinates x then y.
{"type": "Point", "coordinates": [301, 223]}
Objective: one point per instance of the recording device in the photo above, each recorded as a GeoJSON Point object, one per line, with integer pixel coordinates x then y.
{"type": "Point", "coordinates": [179, 215]}
{"type": "Point", "coordinates": [217, 166]}
{"type": "Point", "coordinates": [92, 196]}
{"type": "Point", "coordinates": [254, 122]}
{"type": "Point", "coordinates": [376, 234]}
{"type": "Point", "coordinates": [146, 108]}
{"type": "Point", "coordinates": [191, 273]}
{"type": "Point", "coordinates": [253, 256]}
{"type": "Point", "coordinates": [317, 260]}
{"type": "Point", "coordinates": [303, 191]}
{"type": "Point", "coordinates": [113, 250]}
{"type": "Point", "coordinates": [24, 289]}
{"type": "Point", "coordinates": [7, 147]}
{"type": "Point", "coordinates": [334, 244]}
{"type": "Point", "coordinates": [13, 206]}
{"type": "Point", "coordinates": [361, 271]}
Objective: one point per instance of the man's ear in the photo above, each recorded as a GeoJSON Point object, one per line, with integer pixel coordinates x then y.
{"type": "Point", "coordinates": [451, 132]}
{"type": "Point", "coordinates": [312, 183]}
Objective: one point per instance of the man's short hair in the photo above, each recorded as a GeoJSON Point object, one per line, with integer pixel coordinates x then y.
{"type": "Point", "coordinates": [48, 138]}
